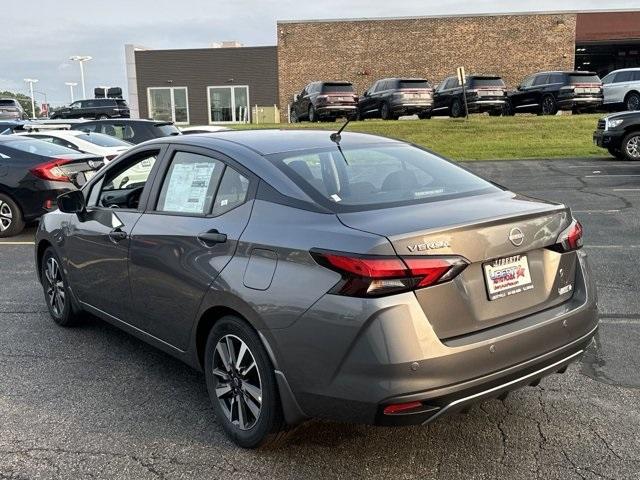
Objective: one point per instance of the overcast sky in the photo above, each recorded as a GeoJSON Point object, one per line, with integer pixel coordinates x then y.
{"type": "Point", "coordinates": [40, 35]}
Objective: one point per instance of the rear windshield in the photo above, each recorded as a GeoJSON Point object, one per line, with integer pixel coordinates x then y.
{"type": "Point", "coordinates": [413, 84]}
{"type": "Point", "coordinates": [377, 176]}
{"type": "Point", "coordinates": [103, 140]}
{"type": "Point", "coordinates": [8, 103]}
{"type": "Point", "coordinates": [487, 82]}
{"type": "Point", "coordinates": [168, 129]}
{"type": "Point", "coordinates": [38, 147]}
{"type": "Point", "coordinates": [573, 79]}
{"type": "Point", "coordinates": [337, 87]}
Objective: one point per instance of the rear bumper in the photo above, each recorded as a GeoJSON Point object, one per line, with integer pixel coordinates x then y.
{"type": "Point", "coordinates": [410, 108]}
{"type": "Point", "coordinates": [347, 359]}
{"type": "Point", "coordinates": [335, 109]}
{"type": "Point", "coordinates": [479, 106]}
{"type": "Point", "coordinates": [608, 138]}
{"type": "Point", "coordinates": [580, 102]}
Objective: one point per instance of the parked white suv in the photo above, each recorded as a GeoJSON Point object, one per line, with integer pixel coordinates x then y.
{"type": "Point", "coordinates": [622, 89]}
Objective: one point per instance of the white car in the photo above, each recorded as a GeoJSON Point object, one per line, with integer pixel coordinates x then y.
{"type": "Point", "coordinates": [621, 88]}
{"type": "Point", "coordinates": [94, 143]}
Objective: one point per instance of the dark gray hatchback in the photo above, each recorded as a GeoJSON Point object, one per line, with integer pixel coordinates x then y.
{"type": "Point", "coordinates": [369, 281]}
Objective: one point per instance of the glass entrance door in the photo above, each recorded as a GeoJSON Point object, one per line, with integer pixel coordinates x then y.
{"type": "Point", "coordinates": [169, 104]}
{"type": "Point", "coordinates": [228, 104]}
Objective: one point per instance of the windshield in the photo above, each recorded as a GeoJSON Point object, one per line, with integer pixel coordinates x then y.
{"type": "Point", "coordinates": [413, 84]}
{"type": "Point", "coordinates": [487, 82]}
{"type": "Point", "coordinates": [168, 129]}
{"type": "Point", "coordinates": [38, 147]}
{"type": "Point", "coordinates": [337, 87]}
{"type": "Point", "coordinates": [377, 176]}
{"type": "Point", "coordinates": [577, 78]}
{"type": "Point", "coordinates": [103, 140]}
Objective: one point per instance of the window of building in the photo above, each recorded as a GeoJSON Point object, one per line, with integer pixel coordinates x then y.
{"type": "Point", "coordinates": [169, 104]}
{"type": "Point", "coordinates": [229, 104]}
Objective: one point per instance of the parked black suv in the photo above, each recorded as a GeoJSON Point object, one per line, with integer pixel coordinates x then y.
{"type": "Point", "coordinates": [132, 131]}
{"type": "Point", "coordinates": [485, 93]}
{"type": "Point", "coordinates": [95, 108]}
{"type": "Point", "coordinates": [620, 134]}
{"type": "Point", "coordinates": [324, 101]}
{"type": "Point", "coordinates": [547, 92]}
{"type": "Point", "coordinates": [389, 98]}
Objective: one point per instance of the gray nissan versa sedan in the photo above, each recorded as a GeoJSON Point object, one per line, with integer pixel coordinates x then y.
{"type": "Point", "coordinates": [353, 278]}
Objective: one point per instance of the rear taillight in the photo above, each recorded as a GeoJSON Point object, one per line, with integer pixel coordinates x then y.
{"type": "Point", "coordinates": [51, 170]}
{"type": "Point", "coordinates": [570, 238]}
{"type": "Point", "coordinates": [374, 276]}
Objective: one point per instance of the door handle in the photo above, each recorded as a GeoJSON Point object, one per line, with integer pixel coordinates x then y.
{"type": "Point", "coordinates": [117, 235]}
{"type": "Point", "coordinates": [212, 237]}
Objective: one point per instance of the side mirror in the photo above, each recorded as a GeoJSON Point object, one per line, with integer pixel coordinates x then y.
{"type": "Point", "coordinates": [296, 97]}
{"type": "Point", "coordinates": [72, 202]}
{"type": "Point", "coordinates": [519, 87]}
{"type": "Point", "coordinates": [365, 93]}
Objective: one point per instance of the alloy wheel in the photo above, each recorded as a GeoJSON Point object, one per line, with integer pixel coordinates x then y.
{"type": "Point", "coordinates": [633, 147]}
{"type": "Point", "coordinates": [55, 287]}
{"type": "Point", "coordinates": [633, 102]}
{"type": "Point", "coordinates": [238, 384]}
{"type": "Point", "coordinates": [548, 106]}
{"type": "Point", "coordinates": [6, 216]}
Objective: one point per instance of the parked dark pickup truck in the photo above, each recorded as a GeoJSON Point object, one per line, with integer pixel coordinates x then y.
{"type": "Point", "coordinates": [619, 133]}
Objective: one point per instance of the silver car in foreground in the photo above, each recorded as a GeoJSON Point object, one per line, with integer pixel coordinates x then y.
{"type": "Point", "coordinates": [349, 277]}
{"type": "Point", "coordinates": [621, 89]}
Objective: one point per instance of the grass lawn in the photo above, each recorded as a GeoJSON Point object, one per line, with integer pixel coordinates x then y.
{"type": "Point", "coordinates": [483, 137]}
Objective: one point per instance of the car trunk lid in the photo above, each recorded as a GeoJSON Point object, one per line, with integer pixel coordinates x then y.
{"type": "Point", "coordinates": [499, 234]}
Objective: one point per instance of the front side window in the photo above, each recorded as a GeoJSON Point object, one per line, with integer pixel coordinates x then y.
{"type": "Point", "coordinates": [623, 77]}
{"type": "Point", "coordinates": [541, 80]}
{"type": "Point", "coordinates": [190, 184]}
{"type": "Point", "coordinates": [377, 176]}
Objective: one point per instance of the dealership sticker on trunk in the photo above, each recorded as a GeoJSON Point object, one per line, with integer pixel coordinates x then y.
{"type": "Point", "coordinates": [507, 276]}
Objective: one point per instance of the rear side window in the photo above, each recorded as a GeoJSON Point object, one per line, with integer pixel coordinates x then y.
{"type": "Point", "coordinates": [231, 193]}
{"type": "Point", "coordinates": [190, 184]}
{"type": "Point", "coordinates": [167, 129]}
{"type": "Point", "coordinates": [623, 77]}
{"type": "Point", "coordinates": [556, 78]}
{"type": "Point", "coordinates": [577, 78]}
{"type": "Point", "coordinates": [337, 87]}
{"type": "Point", "coordinates": [377, 176]}
{"type": "Point", "coordinates": [413, 84]}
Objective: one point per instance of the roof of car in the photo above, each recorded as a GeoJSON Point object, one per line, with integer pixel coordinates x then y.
{"type": "Point", "coordinates": [270, 141]}
{"type": "Point", "coordinates": [568, 72]}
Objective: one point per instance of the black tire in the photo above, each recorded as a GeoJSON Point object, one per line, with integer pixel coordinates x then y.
{"type": "Point", "coordinates": [456, 109]}
{"type": "Point", "coordinates": [313, 116]}
{"type": "Point", "coordinates": [630, 146]}
{"type": "Point", "coordinates": [385, 111]}
{"type": "Point", "coordinates": [614, 152]}
{"type": "Point", "coordinates": [632, 102]}
{"type": "Point", "coordinates": [294, 116]}
{"type": "Point", "coordinates": [548, 106]}
{"type": "Point", "coordinates": [56, 290]}
{"type": "Point", "coordinates": [259, 431]}
{"type": "Point", "coordinates": [424, 115]}
{"type": "Point", "coordinates": [11, 221]}
{"type": "Point", "coordinates": [507, 109]}
{"type": "Point", "coordinates": [495, 113]}
{"type": "Point", "coordinates": [102, 117]}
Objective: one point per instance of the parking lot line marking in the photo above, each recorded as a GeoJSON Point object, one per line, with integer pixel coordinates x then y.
{"type": "Point", "coordinates": [17, 243]}
{"type": "Point", "coordinates": [620, 321]}
{"type": "Point", "coordinates": [596, 211]}
{"type": "Point", "coordinates": [612, 246]}
{"type": "Point", "coordinates": [613, 175]}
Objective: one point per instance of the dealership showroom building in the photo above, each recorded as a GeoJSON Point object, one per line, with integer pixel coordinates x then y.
{"type": "Point", "coordinates": [230, 83]}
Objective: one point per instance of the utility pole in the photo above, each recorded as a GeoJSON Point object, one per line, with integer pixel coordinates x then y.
{"type": "Point", "coordinates": [31, 81]}
{"type": "Point", "coordinates": [81, 59]}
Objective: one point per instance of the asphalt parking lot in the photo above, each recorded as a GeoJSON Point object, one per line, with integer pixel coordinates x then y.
{"type": "Point", "coordinates": [93, 402]}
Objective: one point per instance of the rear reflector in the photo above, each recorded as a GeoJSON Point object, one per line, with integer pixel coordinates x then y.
{"type": "Point", "coordinates": [401, 407]}
{"type": "Point", "coordinates": [51, 171]}
{"type": "Point", "coordinates": [373, 276]}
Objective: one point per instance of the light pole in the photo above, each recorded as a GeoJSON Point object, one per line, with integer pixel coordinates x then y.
{"type": "Point", "coordinates": [71, 85]}
{"type": "Point", "coordinates": [31, 81]}
{"type": "Point", "coordinates": [81, 59]}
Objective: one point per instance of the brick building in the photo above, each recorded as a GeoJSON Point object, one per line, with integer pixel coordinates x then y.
{"type": "Point", "coordinates": [217, 84]}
